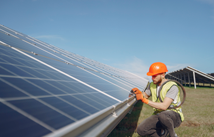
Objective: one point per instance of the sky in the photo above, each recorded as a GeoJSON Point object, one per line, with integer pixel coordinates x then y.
{"type": "Point", "coordinates": [126, 34]}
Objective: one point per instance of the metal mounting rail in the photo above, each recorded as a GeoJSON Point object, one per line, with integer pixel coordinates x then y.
{"type": "Point", "coordinates": [99, 124]}
{"type": "Point", "coordinates": [201, 73]}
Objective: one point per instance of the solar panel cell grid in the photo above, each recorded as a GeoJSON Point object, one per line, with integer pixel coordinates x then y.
{"type": "Point", "coordinates": [16, 71]}
{"type": "Point", "coordinates": [86, 77]}
{"type": "Point", "coordinates": [4, 71]}
{"type": "Point", "coordinates": [41, 111]}
{"type": "Point", "coordinates": [15, 124]}
{"type": "Point", "coordinates": [33, 72]}
{"type": "Point", "coordinates": [9, 91]}
{"type": "Point", "coordinates": [23, 45]}
{"type": "Point", "coordinates": [74, 112]}
{"type": "Point", "coordinates": [26, 87]}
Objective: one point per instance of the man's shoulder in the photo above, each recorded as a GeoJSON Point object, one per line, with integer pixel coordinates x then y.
{"type": "Point", "coordinates": [168, 81]}
{"type": "Point", "coordinates": [169, 84]}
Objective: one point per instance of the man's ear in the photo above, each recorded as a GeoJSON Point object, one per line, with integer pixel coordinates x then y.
{"type": "Point", "coordinates": [163, 75]}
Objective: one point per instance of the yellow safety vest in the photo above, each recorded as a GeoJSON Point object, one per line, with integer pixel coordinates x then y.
{"type": "Point", "coordinates": [164, 90]}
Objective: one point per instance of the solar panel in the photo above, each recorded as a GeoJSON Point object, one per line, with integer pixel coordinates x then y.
{"type": "Point", "coordinates": [44, 88]}
{"type": "Point", "coordinates": [189, 75]}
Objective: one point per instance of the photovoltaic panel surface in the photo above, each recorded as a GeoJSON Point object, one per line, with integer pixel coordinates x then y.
{"type": "Point", "coordinates": [44, 88]}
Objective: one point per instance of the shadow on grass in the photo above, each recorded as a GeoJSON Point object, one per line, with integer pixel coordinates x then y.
{"type": "Point", "coordinates": [128, 125]}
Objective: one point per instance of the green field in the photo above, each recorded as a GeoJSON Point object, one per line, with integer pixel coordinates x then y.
{"type": "Point", "coordinates": [198, 111]}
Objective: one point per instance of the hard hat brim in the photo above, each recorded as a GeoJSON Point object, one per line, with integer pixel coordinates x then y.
{"type": "Point", "coordinates": [151, 74]}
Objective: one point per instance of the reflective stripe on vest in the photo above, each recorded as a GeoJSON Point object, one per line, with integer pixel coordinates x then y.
{"type": "Point", "coordinates": [164, 90]}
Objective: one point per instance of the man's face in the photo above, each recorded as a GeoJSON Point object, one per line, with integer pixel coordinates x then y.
{"type": "Point", "coordinates": [157, 78]}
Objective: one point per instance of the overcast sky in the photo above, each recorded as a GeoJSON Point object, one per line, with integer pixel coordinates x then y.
{"type": "Point", "coordinates": [126, 34]}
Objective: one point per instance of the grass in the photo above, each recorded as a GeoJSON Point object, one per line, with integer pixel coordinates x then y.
{"type": "Point", "coordinates": [198, 111]}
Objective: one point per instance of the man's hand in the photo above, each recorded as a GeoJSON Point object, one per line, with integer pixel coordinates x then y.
{"type": "Point", "coordinates": [136, 91]}
{"type": "Point", "coordinates": [139, 95]}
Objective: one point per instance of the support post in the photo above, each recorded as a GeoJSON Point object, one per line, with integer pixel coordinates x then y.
{"type": "Point", "coordinates": [189, 79]}
{"type": "Point", "coordinates": [194, 79]}
{"type": "Point", "coordinates": [181, 79]}
{"type": "Point", "coordinates": [185, 79]}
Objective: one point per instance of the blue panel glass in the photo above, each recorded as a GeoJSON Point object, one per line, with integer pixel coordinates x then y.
{"type": "Point", "coordinates": [34, 64]}
{"type": "Point", "coordinates": [81, 104]}
{"type": "Point", "coordinates": [17, 43]}
{"type": "Point", "coordinates": [62, 87]}
{"type": "Point", "coordinates": [78, 87]}
{"type": "Point", "coordinates": [113, 81]}
{"type": "Point", "coordinates": [50, 74]}
{"type": "Point", "coordinates": [4, 51]}
{"type": "Point", "coordinates": [45, 85]}
{"type": "Point", "coordinates": [101, 98]}
{"type": "Point", "coordinates": [91, 101]}
{"type": "Point", "coordinates": [24, 63]}
{"type": "Point", "coordinates": [101, 75]}
{"type": "Point", "coordinates": [4, 72]}
{"type": "Point", "coordinates": [65, 107]}
{"type": "Point", "coordinates": [18, 58]}
{"type": "Point", "coordinates": [13, 124]}
{"type": "Point", "coordinates": [15, 70]}
{"type": "Point", "coordinates": [1, 60]}
{"type": "Point", "coordinates": [9, 60]}
{"type": "Point", "coordinates": [11, 31]}
{"type": "Point", "coordinates": [7, 51]}
{"type": "Point", "coordinates": [126, 77]}
{"type": "Point", "coordinates": [43, 113]}
{"type": "Point", "coordinates": [89, 79]}
{"type": "Point", "coordinates": [7, 91]}
{"type": "Point", "coordinates": [33, 72]}
{"type": "Point", "coordinates": [56, 75]}
{"type": "Point", "coordinates": [26, 86]}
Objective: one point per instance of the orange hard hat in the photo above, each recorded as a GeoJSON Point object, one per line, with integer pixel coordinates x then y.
{"type": "Point", "coordinates": [156, 68]}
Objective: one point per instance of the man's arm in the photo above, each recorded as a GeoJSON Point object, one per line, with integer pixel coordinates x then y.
{"type": "Point", "coordinates": [145, 95]}
{"type": "Point", "coordinates": [162, 105]}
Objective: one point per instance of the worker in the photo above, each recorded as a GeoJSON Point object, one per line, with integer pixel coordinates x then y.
{"type": "Point", "coordinates": [164, 120]}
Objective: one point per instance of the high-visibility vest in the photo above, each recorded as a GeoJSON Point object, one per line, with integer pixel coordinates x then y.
{"type": "Point", "coordinates": [164, 90]}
